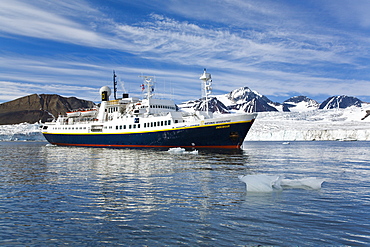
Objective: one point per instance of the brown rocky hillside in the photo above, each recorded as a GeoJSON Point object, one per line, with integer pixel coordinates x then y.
{"type": "Point", "coordinates": [36, 107]}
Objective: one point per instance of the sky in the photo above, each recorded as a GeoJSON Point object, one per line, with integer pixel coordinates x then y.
{"type": "Point", "coordinates": [279, 48]}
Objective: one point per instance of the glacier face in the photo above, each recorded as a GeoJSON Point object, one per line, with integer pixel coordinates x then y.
{"type": "Point", "coordinates": [333, 124]}
{"type": "Point", "coordinates": [21, 132]}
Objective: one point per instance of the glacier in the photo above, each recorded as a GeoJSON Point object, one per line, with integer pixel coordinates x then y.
{"type": "Point", "coordinates": [319, 124]}
{"type": "Point", "coordinates": [21, 132]}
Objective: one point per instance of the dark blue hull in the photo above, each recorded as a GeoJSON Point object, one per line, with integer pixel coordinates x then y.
{"type": "Point", "coordinates": [224, 136]}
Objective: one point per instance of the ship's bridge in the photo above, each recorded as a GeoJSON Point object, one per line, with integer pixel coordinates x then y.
{"type": "Point", "coordinates": [159, 105]}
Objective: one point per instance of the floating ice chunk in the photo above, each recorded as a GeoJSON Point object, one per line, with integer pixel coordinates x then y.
{"type": "Point", "coordinates": [177, 150]}
{"type": "Point", "coordinates": [268, 183]}
{"type": "Point", "coordinates": [261, 183]}
{"type": "Point", "coordinates": [180, 150]}
{"type": "Point", "coordinates": [303, 183]}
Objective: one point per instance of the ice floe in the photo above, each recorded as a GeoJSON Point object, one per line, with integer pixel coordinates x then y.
{"type": "Point", "coordinates": [180, 150]}
{"type": "Point", "coordinates": [269, 183]}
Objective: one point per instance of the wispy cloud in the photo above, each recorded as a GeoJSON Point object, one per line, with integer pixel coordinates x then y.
{"type": "Point", "coordinates": [51, 21]}
{"type": "Point", "coordinates": [167, 39]}
{"type": "Point", "coordinates": [276, 48]}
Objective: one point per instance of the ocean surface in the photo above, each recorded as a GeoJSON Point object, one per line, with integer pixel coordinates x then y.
{"type": "Point", "coordinates": [56, 196]}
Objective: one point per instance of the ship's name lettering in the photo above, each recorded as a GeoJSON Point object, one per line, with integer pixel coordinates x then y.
{"type": "Point", "coordinates": [218, 122]}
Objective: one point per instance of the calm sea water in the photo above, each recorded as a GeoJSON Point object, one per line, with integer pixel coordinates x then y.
{"type": "Point", "coordinates": [107, 197]}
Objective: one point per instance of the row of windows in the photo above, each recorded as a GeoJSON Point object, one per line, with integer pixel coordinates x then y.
{"type": "Point", "coordinates": [129, 126]}
{"type": "Point", "coordinates": [115, 109]}
{"type": "Point", "coordinates": [146, 125]}
{"type": "Point", "coordinates": [163, 107]}
{"type": "Point", "coordinates": [68, 128]}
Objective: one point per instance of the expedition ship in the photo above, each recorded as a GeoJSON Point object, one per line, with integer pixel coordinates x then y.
{"type": "Point", "coordinates": [129, 122]}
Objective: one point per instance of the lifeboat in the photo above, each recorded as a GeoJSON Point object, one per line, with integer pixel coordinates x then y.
{"type": "Point", "coordinates": [73, 114]}
{"type": "Point", "coordinates": [82, 113]}
{"type": "Point", "coordinates": [88, 113]}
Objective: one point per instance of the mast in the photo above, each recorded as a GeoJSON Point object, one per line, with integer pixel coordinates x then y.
{"type": "Point", "coordinates": [148, 85]}
{"type": "Point", "coordinates": [114, 85]}
{"type": "Point", "coordinates": [206, 86]}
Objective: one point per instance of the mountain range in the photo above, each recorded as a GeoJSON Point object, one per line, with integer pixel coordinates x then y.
{"type": "Point", "coordinates": [45, 107]}
{"type": "Point", "coordinates": [39, 107]}
{"type": "Point", "coordinates": [246, 100]}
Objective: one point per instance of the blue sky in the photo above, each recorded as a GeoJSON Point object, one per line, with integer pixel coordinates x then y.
{"type": "Point", "coordinates": [280, 48]}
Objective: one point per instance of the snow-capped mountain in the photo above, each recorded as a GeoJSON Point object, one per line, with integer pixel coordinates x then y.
{"type": "Point", "coordinates": [300, 103]}
{"type": "Point", "coordinates": [342, 101]}
{"type": "Point", "coordinates": [246, 100]}
{"type": "Point", "coordinates": [241, 99]}
{"type": "Point", "coordinates": [214, 105]}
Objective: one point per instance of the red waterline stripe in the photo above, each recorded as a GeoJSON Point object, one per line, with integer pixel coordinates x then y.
{"type": "Point", "coordinates": [144, 146]}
